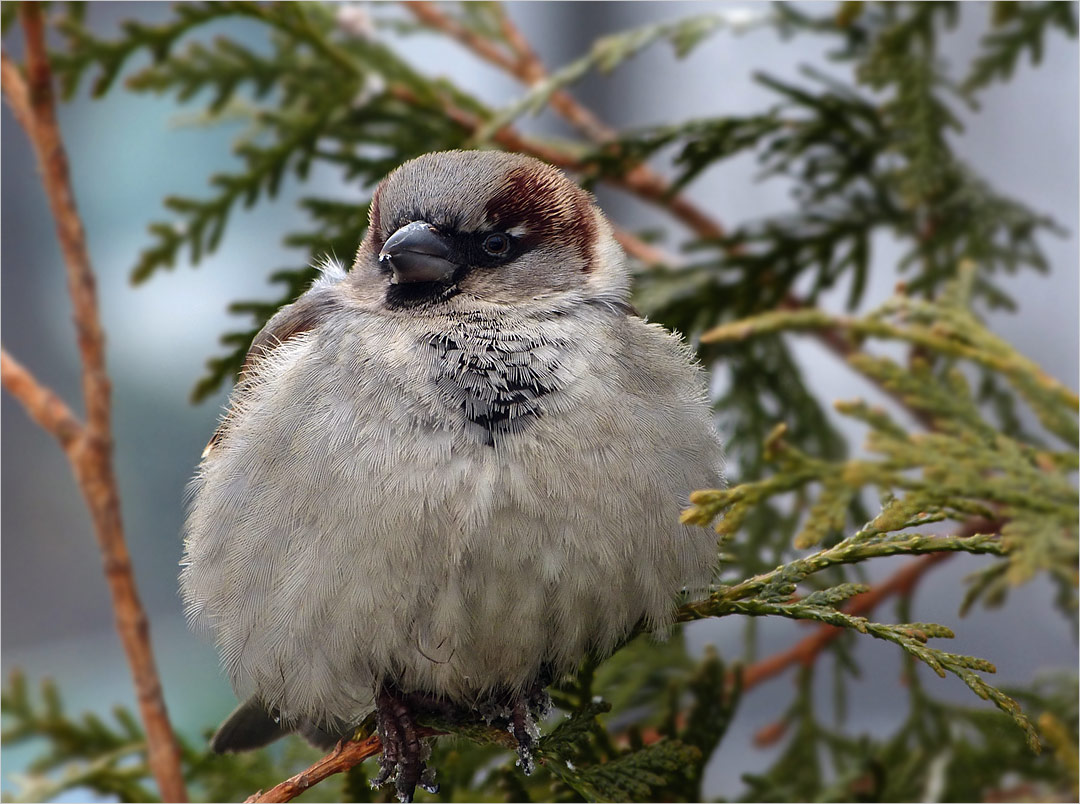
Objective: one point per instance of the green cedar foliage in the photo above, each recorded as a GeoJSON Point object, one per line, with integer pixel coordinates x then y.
{"type": "Point", "coordinates": [959, 474]}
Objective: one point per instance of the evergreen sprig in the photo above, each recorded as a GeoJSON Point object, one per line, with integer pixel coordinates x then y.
{"type": "Point", "coordinates": [109, 758]}
{"type": "Point", "coordinates": [87, 752]}
{"type": "Point", "coordinates": [871, 154]}
{"type": "Point", "coordinates": [85, 52]}
{"type": "Point", "coordinates": [609, 52]}
{"type": "Point", "coordinates": [968, 467]}
{"type": "Point", "coordinates": [1018, 29]}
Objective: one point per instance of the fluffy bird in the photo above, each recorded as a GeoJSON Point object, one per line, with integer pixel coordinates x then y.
{"type": "Point", "coordinates": [448, 474]}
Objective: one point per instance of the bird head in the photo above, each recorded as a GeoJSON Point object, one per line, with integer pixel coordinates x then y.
{"type": "Point", "coordinates": [479, 228]}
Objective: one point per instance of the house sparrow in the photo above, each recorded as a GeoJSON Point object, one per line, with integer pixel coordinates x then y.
{"type": "Point", "coordinates": [450, 473]}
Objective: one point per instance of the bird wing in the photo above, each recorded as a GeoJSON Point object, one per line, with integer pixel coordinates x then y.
{"type": "Point", "coordinates": [303, 315]}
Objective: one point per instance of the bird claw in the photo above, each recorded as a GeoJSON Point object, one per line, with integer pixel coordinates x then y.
{"type": "Point", "coordinates": [427, 781]}
{"type": "Point", "coordinates": [525, 712]}
{"type": "Point", "coordinates": [402, 760]}
{"type": "Point", "coordinates": [403, 753]}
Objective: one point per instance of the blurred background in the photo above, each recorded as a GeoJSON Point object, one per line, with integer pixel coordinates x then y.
{"type": "Point", "coordinates": [127, 152]}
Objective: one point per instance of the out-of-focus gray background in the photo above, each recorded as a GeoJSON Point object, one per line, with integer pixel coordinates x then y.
{"type": "Point", "coordinates": [126, 154]}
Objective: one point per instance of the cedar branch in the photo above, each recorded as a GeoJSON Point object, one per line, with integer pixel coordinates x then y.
{"type": "Point", "coordinates": [806, 651]}
{"type": "Point", "coordinates": [836, 341]}
{"type": "Point", "coordinates": [89, 448]}
{"type": "Point", "coordinates": [901, 584]}
{"type": "Point", "coordinates": [641, 181]}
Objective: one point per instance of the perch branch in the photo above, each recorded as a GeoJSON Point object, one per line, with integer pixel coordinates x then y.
{"type": "Point", "coordinates": [347, 755]}
{"type": "Point", "coordinates": [89, 448]}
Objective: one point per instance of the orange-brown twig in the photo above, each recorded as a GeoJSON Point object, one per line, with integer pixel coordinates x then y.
{"type": "Point", "coordinates": [15, 92]}
{"type": "Point", "coordinates": [347, 755]}
{"type": "Point", "coordinates": [89, 446]}
{"type": "Point", "coordinates": [44, 406]}
{"type": "Point", "coordinates": [523, 64]}
{"type": "Point", "coordinates": [642, 251]}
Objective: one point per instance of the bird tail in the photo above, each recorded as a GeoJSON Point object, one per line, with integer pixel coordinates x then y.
{"type": "Point", "coordinates": [251, 726]}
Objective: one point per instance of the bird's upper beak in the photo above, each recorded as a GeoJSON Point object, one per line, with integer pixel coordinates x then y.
{"type": "Point", "coordinates": [418, 252]}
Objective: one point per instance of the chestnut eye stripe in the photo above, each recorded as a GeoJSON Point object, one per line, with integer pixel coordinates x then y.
{"type": "Point", "coordinates": [537, 203]}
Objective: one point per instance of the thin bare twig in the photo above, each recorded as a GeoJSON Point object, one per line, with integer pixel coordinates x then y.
{"type": "Point", "coordinates": [15, 92]}
{"type": "Point", "coordinates": [89, 447]}
{"type": "Point", "coordinates": [432, 16]}
{"type": "Point", "coordinates": [640, 250]}
{"type": "Point", "coordinates": [523, 64]}
{"type": "Point", "coordinates": [44, 406]}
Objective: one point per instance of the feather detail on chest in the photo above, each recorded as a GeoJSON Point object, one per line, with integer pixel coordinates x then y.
{"type": "Point", "coordinates": [502, 379]}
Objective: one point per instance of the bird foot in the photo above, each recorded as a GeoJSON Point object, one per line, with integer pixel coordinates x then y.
{"type": "Point", "coordinates": [523, 724]}
{"type": "Point", "coordinates": [403, 753]}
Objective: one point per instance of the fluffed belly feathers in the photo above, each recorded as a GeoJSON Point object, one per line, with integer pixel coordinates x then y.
{"type": "Point", "coordinates": [469, 506]}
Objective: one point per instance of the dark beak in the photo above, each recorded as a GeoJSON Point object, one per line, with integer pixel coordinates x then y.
{"type": "Point", "coordinates": [418, 252]}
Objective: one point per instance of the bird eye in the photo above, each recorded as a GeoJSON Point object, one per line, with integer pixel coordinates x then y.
{"type": "Point", "coordinates": [497, 244]}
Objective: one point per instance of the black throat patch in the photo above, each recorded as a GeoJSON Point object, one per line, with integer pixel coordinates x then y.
{"type": "Point", "coordinates": [409, 296]}
{"type": "Point", "coordinates": [499, 380]}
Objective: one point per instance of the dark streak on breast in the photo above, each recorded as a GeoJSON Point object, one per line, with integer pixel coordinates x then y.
{"type": "Point", "coordinates": [499, 389]}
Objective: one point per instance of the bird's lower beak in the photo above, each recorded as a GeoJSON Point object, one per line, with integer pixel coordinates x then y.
{"type": "Point", "coordinates": [418, 252]}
